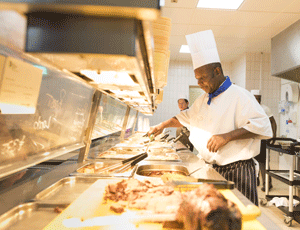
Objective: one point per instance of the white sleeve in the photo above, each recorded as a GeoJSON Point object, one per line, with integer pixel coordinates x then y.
{"type": "Point", "coordinates": [267, 110]}
{"type": "Point", "coordinates": [184, 118]}
{"type": "Point", "coordinates": [254, 119]}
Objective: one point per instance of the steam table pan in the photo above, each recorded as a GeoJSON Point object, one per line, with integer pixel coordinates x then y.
{"type": "Point", "coordinates": [66, 190]}
{"type": "Point", "coordinates": [29, 216]}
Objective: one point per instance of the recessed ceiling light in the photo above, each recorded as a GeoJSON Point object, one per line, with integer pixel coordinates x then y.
{"type": "Point", "coordinates": [220, 4]}
{"type": "Point", "coordinates": [184, 49]}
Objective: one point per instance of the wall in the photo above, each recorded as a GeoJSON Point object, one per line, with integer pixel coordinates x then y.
{"type": "Point", "coordinates": [238, 74]}
{"type": "Point", "coordinates": [258, 76]}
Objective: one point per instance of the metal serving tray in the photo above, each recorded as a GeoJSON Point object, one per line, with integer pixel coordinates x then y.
{"type": "Point", "coordinates": [143, 170]}
{"type": "Point", "coordinates": [155, 154]}
{"type": "Point", "coordinates": [99, 165]}
{"type": "Point", "coordinates": [29, 216]}
{"type": "Point", "coordinates": [65, 191]}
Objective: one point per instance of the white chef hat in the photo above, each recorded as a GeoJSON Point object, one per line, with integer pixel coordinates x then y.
{"type": "Point", "coordinates": [182, 96]}
{"type": "Point", "coordinates": [203, 48]}
{"type": "Point", "coordinates": [255, 92]}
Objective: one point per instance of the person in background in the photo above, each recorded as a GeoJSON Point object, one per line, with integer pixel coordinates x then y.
{"type": "Point", "coordinates": [183, 104]}
{"type": "Point", "coordinates": [226, 123]}
{"type": "Point", "coordinates": [261, 158]}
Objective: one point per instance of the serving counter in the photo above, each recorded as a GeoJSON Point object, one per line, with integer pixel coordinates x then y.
{"type": "Point", "coordinates": [37, 201]}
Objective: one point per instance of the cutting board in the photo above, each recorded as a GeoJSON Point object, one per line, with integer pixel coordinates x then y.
{"type": "Point", "coordinates": [89, 204]}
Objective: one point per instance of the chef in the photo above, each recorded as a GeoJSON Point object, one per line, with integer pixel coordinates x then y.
{"type": "Point", "coordinates": [183, 104]}
{"type": "Point", "coordinates": [226, 123]}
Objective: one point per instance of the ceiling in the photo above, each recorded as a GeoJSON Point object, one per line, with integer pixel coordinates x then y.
{"type": "Point", "coordinates": [248, 29]}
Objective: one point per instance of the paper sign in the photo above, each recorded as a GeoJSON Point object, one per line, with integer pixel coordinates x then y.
{"type": "Point", "coordinates": [20, 84]}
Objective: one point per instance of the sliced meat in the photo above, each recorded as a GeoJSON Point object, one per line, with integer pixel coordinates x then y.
{"type": "Point", "coordinates": [206, 208]}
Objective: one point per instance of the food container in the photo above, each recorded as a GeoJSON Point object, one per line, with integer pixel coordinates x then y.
{"type": "Point", "coordinates": [65, 190]}
{"type": "Point", "coordinates": [154, 153]}
{"type": "Point", "coordinates": [90, 170]}
{"type": "Point", "coordinates": [159, 170]}
{"type": "Point", "coordinates": [29, 216]}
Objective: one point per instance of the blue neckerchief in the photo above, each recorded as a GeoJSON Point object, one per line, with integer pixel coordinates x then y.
{"type": "Point", "coordinates": [225, 85]}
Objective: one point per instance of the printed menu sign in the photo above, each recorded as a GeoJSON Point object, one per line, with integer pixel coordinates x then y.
{"type": "Point", "coordinates": [20, 84]}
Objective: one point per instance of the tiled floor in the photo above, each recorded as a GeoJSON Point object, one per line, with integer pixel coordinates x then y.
{"type": "Point", "coordinates": [275, 214]}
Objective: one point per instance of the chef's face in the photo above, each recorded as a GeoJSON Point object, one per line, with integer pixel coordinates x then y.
{"type": "Point", "coordinates": [182, 104]}
{"type": "Point", "coordinates": [206, 77]}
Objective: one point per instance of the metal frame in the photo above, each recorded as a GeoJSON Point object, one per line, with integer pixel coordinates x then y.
{"type": "Point", "coordinates": [291, 212]}
{"type": "Point", "coordinates": [125, 123]}
{"type": "Point", "coordinates": [88, 134]}
{"type": "Point", "coordinates": [134, 124]}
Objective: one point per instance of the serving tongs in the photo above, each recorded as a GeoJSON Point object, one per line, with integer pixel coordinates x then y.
{"type": "Point", "coordinates": [132, 163]}
{"type": "Point", "coordinates": [123, 163]}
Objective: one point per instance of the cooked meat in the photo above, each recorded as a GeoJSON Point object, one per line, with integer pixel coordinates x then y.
{"type": "Point", "coordinates": [157, 173]}
{"type": "Point", "coordinates": [58, 209]}
{"type": "Point", "coordinates": [145, 195]}
{"type": "Point", "coordinates": [117, 208]}
{"type": "Point", "coordinates": [206, 208]}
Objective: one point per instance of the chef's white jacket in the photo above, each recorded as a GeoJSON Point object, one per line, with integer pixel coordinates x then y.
{"type": "Point", "coordinates": [233, 109]}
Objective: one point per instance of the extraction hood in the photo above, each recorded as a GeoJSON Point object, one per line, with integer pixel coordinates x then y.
{"type": "Point", "coordinates": [285, 53]}
{"type": "Point", "coordinates": [98, 40]}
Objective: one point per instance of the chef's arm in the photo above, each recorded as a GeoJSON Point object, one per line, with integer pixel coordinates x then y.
{"type": "Point", "coordinates": [158, 129]}
{"type": "Point", "coordinates": [218, 141]}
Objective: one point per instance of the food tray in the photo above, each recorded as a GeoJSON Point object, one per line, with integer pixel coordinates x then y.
{"type": "Point", "coordinates": [145, 170]}
{"type": "Point", "coordinates": [155, 154]}
{"type": "Point", "coordinates": [29, 216]}
{"type": "Point", "coordinates": [84, 170]}
{"type": "Point", "coordinates": [66, 190]}
{"type": "Point", "coordinates": [90, 204]}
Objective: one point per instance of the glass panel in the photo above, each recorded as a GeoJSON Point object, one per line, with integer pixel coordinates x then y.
{"type": "Point", "coordinates": [131, 118]}
{"type": "Point", "coordinates": [110, 117]}
{"type": "Point", "coordinates": [59, 121]}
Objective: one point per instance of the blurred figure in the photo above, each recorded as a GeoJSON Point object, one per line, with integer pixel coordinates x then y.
{"type": "Point", "coordinates": [183, 104]}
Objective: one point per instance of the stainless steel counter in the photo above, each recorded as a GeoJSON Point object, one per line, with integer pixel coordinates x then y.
{"type": "Point", "coordinates": [27, 191]}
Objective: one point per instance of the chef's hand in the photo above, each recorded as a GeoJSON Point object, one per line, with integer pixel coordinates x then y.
{"type": "Point", "coordinates": [216, 142]}
{"type": "Point", "coordinates": [155, 130]}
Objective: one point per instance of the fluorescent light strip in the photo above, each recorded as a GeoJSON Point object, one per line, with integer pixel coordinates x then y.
{"type": "Point", "coordinates": [184, 49]}
{"type": "Point", "coordinates": [109, 77]}
{"type": "Point", "coordinates": [220, 4]}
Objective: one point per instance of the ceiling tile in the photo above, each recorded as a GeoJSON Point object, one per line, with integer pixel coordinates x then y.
{"type": "Point", "coordinates": [182, 4]}
{"type": "Point", "coordinates": [284, 20]}
{"type": "Point", "coordinates": [178, 15]}
{"type": "Point", "coordinates": [269, 6]}
{"type": "Point", "coordinates": [178, 40]}
{"type": "Point", "coordinates": [217, 30]}
{"type": "Point", "coordinates": [239, 31]}
{"type": "Point", "coordinates": [268, 32]}
{"type": "Point", "coordinates": [212, 17]}
{"type": "Point", "coordinates": [179, 29]}
{"type": "Point", "coordinates": [248, 29]}
{"type": "Point", "coordinates": [294, 7]}
{"type": "Point", "coordinates": [252, 19]}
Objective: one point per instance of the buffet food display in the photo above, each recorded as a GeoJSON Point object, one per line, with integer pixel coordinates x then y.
{"type": "Point", "coordinates": [160, 170]}
{"type": "Point", "coordinates": [198, 209]}
{"type": "Point", "coordinates": [95, 169]}
{"type": "Point", "coordinates": [146, 193]}
{"type": "Point", "coordinates": [157, 150]}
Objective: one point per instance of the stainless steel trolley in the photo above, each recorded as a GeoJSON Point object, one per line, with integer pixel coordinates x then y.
{"type": "Point", "coordinates": [291, 177]}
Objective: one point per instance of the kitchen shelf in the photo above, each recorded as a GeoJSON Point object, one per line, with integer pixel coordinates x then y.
{"type": "Point", "coordinates": [290, 177]}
